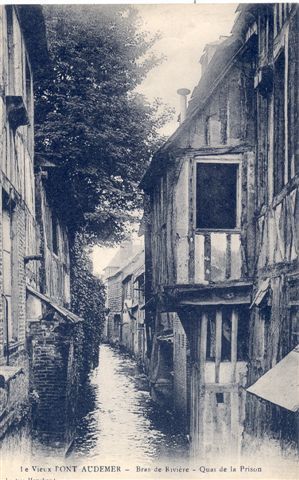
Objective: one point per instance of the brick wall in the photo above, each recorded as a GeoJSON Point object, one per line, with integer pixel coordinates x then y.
{"type": "Point", "coordinates": [54, 379]}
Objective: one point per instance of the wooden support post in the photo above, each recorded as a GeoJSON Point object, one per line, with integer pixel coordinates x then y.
{"type": "Point", "coordinates": [234, 339]}
{"type": "Point", "coordinates": [191, 233]}
{"type": "Point", "coordinates": [218, 344]}
{"type": "Point", "coordinates": [235, 434]}
{"type": "Point", "coordinates": [203, 347]}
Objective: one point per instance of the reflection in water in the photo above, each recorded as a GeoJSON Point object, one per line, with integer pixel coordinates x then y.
{"type": "Point", "coordinates": [118, 421]}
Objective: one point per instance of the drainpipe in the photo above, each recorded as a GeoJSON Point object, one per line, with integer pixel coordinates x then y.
{"type": "Point", "coordinates": [183, 93]}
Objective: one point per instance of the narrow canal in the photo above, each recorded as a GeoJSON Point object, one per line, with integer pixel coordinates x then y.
{"type": "Point", "coordinates": [119, 423]}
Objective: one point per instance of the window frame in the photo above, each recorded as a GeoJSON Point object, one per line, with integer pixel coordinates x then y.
{"type": "Point", "coordinates": [227, 160]}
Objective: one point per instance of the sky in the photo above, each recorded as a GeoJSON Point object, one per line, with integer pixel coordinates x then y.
{"type": "Point", "coordinates": [184, 30]}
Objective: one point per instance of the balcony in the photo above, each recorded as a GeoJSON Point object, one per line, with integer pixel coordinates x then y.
{"type": "Point", "coordinates": [218, 256]}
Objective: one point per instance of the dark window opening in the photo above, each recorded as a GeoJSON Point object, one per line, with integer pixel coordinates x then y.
{"type": "Point", "coordinates": [141, 289]}
{"type": "Point", "coordinates": [279, 123]}
{"type": "Point", "coordinates": [127, 289]}
{"type": "Point", "coordinates": [219, 397]}
{"type": "Point", "coordinates": [211, 337]}
{"type": "Point", "coordinates": [216, 196]}
{"type": "Point", "coordinates": [226, 340]}
{"type": "Point", "coordinates": [117, 322]}
{"type": "Point", "coordinates": [294, 327]}
{"type": "Point", "coordinates": [243, 335]}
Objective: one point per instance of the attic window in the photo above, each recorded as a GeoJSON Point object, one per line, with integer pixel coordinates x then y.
{"type": "Point", "coordinates": [216, 195]}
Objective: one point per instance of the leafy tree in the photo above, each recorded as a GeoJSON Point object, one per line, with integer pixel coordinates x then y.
{"type": "Point", "coordinates": [98, 132]}
{"type": "Point", "coordinates": [89, 120]}
{"type": "Point", "coordinates": [88, 301]}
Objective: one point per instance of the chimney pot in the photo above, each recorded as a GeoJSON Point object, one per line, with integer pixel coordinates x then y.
{"type": "Point", "coordinates": [183, 92]}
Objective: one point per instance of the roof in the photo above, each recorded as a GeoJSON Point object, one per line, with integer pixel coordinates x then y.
{"type": "Point", "coordinates": [280, 385]}
{"type": "Point", "coordinates": [64, 312]}
{"type": "Point", "coordinates": [129, 259]}
{"type": "Point", "coordinates": [224, 57]}
{"type": "Point", "coordinates": [34, 30]}
{"type": "Point", "coordinates": [8, 373]}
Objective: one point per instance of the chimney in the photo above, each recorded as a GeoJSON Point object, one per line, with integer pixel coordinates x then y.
{"type": "Point", "coordinates": [183, 92]}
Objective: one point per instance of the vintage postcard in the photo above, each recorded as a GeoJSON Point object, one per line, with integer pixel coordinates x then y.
{"type": "Point", "coordinates": [149, 239]}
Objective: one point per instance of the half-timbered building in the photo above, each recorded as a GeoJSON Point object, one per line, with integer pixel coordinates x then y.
{"type": "Point", "coordinates": [220, 237]}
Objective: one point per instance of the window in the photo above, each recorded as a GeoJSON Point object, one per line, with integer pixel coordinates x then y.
{"type": "Point", "coordinates": [216, 195]}
{"type": "Point", "coordinates": [226, 335]}
{"type": "Point", "coordinates": [127, 288]}
{"type": "Point", "coordinates": [279, 123]}
{"type": "Point", "coordinates": [219, 397]}
{"type": "Point", "coordinates": [281, 12]}
{"type": "Point", "coordinates": [293, 304]}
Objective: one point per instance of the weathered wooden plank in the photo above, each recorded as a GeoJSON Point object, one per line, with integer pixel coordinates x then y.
{"type": "Point", "coordinates": [286, 100]}
{"type": "Point", "coordinates": [218, 344]}
{"type": "Point", "coordinates": [235, 422]}
{"type": "Point", "coordinates": [199, 259]}
{"type": "Point", "coordinates": [228, 266]}
{"type": "Point", "coordinates": [191, 229]}
{"type": "Point", "coordinates": [218, 256]}
{"type": "Point", "coordinates": [203, 346]}
{"type": "Point", "coordinates": [294, 197]}
{"type": "Point", "coordinates": [271, 150]}
{"type": "Point", "coordinates": [182, 247]}
{"type": "Point", "coordinates": [236, 258]}
{"type": "Point", "coordinates": [234, 339]}
{"type": "Point", "coordinates": [207, 256]}
{"type": "Point", "coordinates": [279, 233]}
{"type": "Point", "coordinates": [182, 200]}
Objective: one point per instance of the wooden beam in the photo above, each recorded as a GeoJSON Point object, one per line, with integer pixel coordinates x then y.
{"type": "Point", "coordinates": [235, 436]}
{"type": "Point", "coordinates": [192, 210]}
{"type": "Point", "coordinates": [218, 344]}
{"type": "Point", "coordinates": [212, 301]}
{"type": "Point", "coordinates": [234, 339]}
{"type": "Point", "coordinates": [207, 257]}
{"type": "Point", "coordinates": [203, 347]}
{"type": "Point", "coordinates": [228, 256]}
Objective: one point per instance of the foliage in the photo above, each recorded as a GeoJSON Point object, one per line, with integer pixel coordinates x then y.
{"type": "Point", "coordinates": [88, 300]}
{"type": "Point", "coordinates": [90, 123]}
